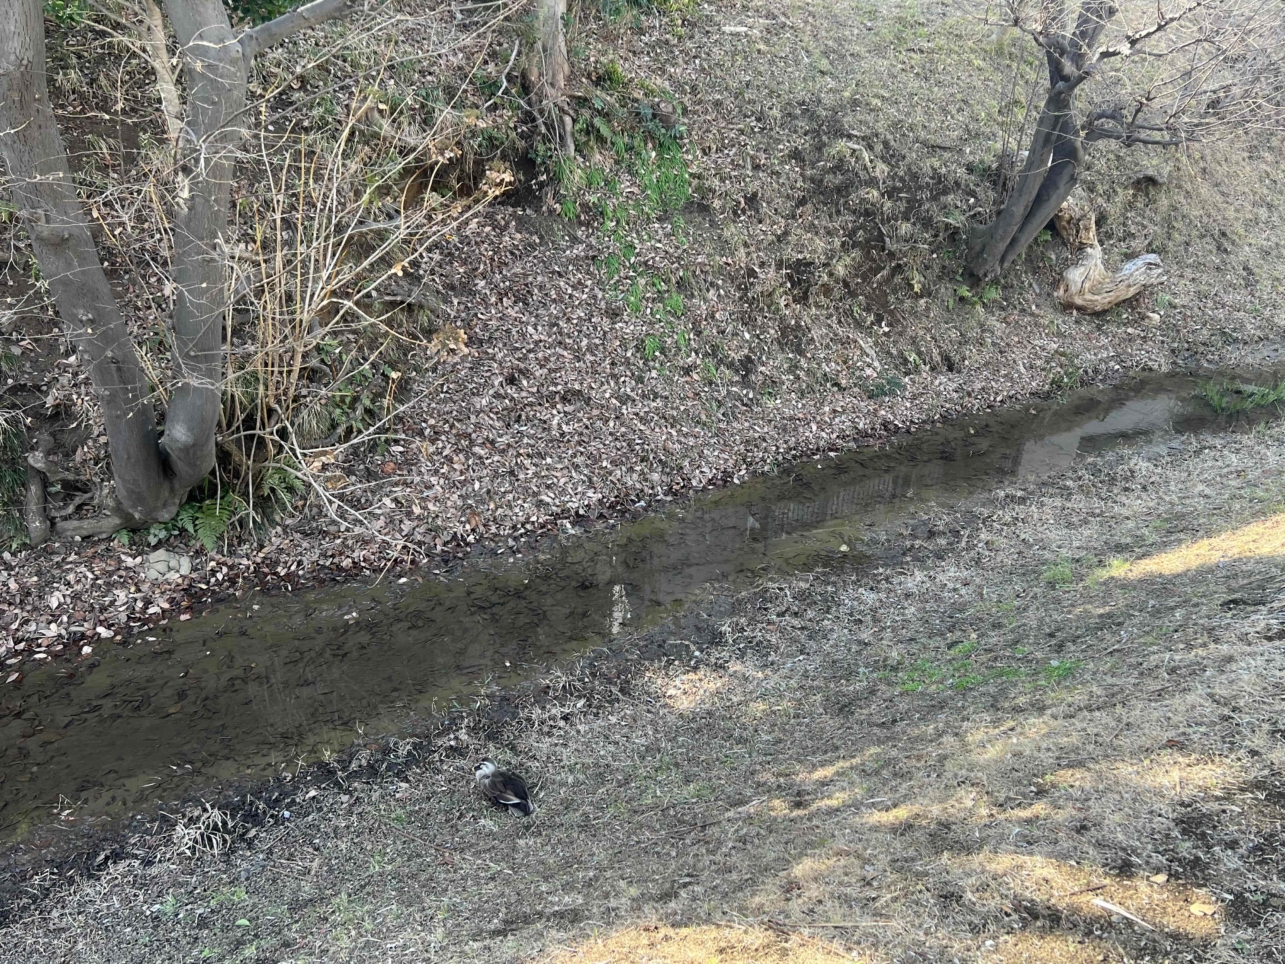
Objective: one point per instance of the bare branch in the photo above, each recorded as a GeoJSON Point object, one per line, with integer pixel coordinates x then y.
{"type": "Point", "coordinates": [1163, 23]}
{"type": "Point", "coordinates": [270, 34]}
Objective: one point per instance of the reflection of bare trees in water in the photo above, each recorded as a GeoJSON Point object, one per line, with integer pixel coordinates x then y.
{"type": "Point", "coordinates": [782, 518]}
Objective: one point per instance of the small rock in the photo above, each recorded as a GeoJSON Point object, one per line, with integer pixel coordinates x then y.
{"type": "Point", "coordinates": [185, 566]}
{"type": "Point", "coordinates": [1159, 878]}
{"type": "Point", "coordinates": [1153, 318]}
{"type": "Point", "coordinates": [1202, 910]}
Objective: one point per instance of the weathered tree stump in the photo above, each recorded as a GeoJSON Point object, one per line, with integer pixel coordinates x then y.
{"type": "Point", "coordinates": [1086, 285]}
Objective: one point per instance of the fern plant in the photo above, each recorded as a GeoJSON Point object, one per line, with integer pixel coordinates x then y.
{"type": "Point", "coordinates": [275, 493]}
{"type": "Point", "coordinates": [213, 517]}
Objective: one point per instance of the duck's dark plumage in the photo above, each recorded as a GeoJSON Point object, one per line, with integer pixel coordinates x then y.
{"type": "Point", "coordinates": [504, 788]}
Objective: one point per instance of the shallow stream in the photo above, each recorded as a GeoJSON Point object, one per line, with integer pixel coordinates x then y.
{"type": "Point", "coordinates": [264, 682]}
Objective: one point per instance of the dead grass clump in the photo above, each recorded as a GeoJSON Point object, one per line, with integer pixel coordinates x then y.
{"type": "Point", "coordinates": [203, 831]}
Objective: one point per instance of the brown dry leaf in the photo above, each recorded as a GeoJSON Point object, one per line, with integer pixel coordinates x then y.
{"type": "Point", "coordinates": [1203, 910]}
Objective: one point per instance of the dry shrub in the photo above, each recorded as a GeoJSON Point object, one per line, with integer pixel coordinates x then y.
{"type": "Point", "coordinates": [330, 289]}
{"type": "Point", "coordinates": [203, 831]}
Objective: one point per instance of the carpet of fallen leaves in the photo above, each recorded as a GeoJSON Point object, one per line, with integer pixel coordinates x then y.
{"type": "Point", "coordinates": [542, 411]}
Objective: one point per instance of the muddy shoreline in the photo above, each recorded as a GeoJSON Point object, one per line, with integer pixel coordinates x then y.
{"type": "Point", "coordinates": [36, 869]}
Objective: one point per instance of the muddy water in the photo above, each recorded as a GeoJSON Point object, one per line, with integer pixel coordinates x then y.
{"type": "Point", "coordinates": [257, 686]}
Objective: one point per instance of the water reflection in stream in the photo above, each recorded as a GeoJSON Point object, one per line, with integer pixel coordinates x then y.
{"type": "Point", "coordinates": [243, 691]}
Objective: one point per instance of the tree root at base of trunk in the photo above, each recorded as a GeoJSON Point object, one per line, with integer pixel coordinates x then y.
{"type": "Point", "coordinates": [102, 525]}
{"type": "Point", "coordinates": [33, 509]}
{"type": "Point", "coordinates": [45, 522]}
{"type": "Point", "coordinates": [1086, 285]}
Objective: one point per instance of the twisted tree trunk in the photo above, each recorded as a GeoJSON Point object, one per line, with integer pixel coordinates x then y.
{"type": "Point", "coordinates": [1057, 149]}
{"type": "Point", "coordinates": [152, 473]}
{"type": "Point", "coordinates": [43, 191]}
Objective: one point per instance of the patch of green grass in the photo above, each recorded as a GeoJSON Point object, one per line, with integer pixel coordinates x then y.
{"type": "Point", "coordinates": [13, 480]}
{"type": "Point", "coordinates": [1058, 573]}
{"type": "Point", "coordinates": [701, 791]}
{"type": "Point", "coordinates": [885, 386]}
{"type": "Point", "coordinates": [959, 674]}
{"type": "Point", "coordinates": [1228, 398]}
{"type": "Point", "coordinates": [619, 9]}
{"type": "Point", "coordinates": [634, 298]}
{"type": "Point", "coordinates": [67, 12]}
{"type": "Point", "coordinates": [923, 673]}
{"type": "Point", "coordinates": [1066, 377]}
{"type": "Point", "coordinates": [613, 76]}
{"type": "Point", "coordinates": [231, 895]}
{"type": "Point", "coordinates": [1113, 568]}
{"type": "Point", "coordinates": [1058, 670]}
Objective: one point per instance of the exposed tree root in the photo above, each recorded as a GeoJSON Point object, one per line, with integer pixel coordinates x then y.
{"type": "Point", "coordinates": [44, 521]}
{"type": "Point", "coordinates": [33, 509]}
{"type": "Point", "coordinates": [1086, 285]}
{"type": "Point", "coordinates": [103, 525]}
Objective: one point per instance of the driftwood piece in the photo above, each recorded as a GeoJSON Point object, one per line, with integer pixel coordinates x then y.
{"type": "Point", "coordinates": [1086, 285]}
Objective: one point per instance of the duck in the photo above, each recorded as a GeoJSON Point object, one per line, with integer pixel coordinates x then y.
{"type": "Point", "coordinates": [503, 788]}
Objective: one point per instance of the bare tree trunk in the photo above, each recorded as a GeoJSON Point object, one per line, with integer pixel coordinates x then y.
{"type": "Point", "coordinates": [989, 245]}
{"type": "Point", "coordinates": [151, 34]}
{"type": "Point", "coordinates": [553, 69]}
{"type": "Point", "coordinates": [152, 476]}
{"type": "Point", "coordinates": [1057, 150]}
{"type": "Point", "coordinates": [217, 73]}
{"type": "Point", "coordinates": [42, 188]}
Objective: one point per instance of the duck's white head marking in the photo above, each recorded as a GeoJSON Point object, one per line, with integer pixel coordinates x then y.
{"type": "Point", "coordinates": [484, 769]}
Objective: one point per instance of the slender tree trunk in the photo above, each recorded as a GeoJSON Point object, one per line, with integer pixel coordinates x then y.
{"type": "Point", "coordinates": [554, 68]}
{"type": "Point", "coordinates": [990, 244]}
{"type": "Point", "coordinates": [151, 34]}
{"type": "Point", "coordinates": [216, 72]}
{"type": "Point", "coordinates": [42, 188]}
